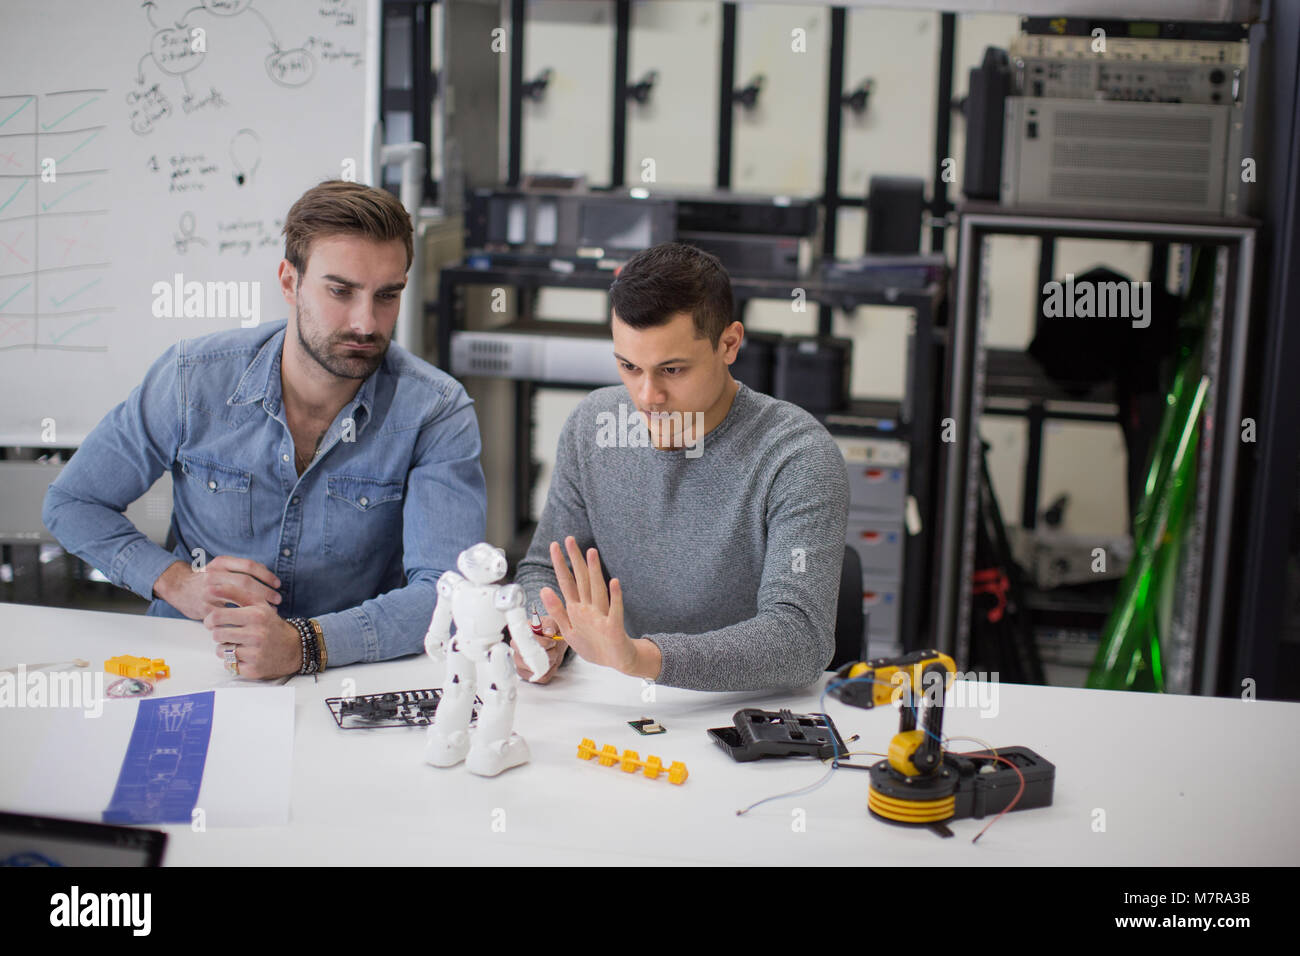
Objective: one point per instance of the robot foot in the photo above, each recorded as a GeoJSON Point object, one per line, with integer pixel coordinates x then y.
{"type": "Point", "coordinates": [490, 759]}
{"type": "Point", "coordinates": [446, 751]}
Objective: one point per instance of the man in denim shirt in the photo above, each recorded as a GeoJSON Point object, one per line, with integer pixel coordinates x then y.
{"type": "Point", "coordinates": [312, 462]}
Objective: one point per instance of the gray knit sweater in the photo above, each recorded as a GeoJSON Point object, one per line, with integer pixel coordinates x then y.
{"type": "Point", "coordinates": [729, 554]}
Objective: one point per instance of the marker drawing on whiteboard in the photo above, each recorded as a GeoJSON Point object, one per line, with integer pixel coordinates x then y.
{"type": "Point", "coordinates": [51, 246]}
{"type": "Point", "coordinates": [179, 49]}
{"type": "Point", "coordinates": [186, 235]}
{"type": "Point", "coordinates": [246, 154]}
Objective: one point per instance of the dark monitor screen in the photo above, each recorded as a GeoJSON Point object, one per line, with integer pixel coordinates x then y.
{"type": "Point", "coordinates": [616, 225]}
{"type": "Point", "coordinates": [507, 220]}
{"type": "Point", "coordinates": [44, 841]}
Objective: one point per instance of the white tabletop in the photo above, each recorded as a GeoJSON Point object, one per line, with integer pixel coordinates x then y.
{"type": "Point", "coordinates": [1177, 780]}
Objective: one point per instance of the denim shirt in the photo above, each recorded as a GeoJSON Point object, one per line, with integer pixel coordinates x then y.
{"type": "Point", "coordinates": [396, 487]}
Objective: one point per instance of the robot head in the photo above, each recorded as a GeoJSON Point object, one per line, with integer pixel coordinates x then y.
{"type": "Point", "coordinates": [482, 564]}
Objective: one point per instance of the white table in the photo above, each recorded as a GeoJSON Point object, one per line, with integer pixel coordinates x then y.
{"type": "Point", "coordinates": [1181, 780]}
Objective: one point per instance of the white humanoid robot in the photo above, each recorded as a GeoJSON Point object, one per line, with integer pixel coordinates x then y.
{"type": "Point", "coordinates": [479, 660]}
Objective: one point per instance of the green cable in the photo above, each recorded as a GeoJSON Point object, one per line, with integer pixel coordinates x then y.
{"type": "Point", "coordinates": [1129, 656]}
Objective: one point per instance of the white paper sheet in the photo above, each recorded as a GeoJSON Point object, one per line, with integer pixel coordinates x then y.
{"type": "Point", "coordinates": [57, 761]}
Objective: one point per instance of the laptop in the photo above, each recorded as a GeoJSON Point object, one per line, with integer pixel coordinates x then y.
{"type": "Point", "coordinates": [27, 840]}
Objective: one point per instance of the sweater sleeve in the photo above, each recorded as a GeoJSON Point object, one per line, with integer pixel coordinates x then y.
{"type": "Point", "coordinates": [792, 638]}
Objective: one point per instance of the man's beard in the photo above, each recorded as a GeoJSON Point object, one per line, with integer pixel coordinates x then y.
{"type": "Point", "coordinates": [330, 355]}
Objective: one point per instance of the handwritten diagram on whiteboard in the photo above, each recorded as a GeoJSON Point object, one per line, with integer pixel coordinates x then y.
{"type": "Point", "coordinates": [146, 143]}
{"type": "Point", "coordinates": [53, 247]}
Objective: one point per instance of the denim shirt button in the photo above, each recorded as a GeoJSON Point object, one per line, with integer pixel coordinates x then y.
{"type": "Point", "coordinates": [296, 499]}
{"type": "Point", "coordinates": [284, 457]}
{"type": "Point", "coordinates": [212, 485]}
{"type": "Point", "coordinates": [364, 501]}
{"type": "Point", "coordinates": [287, 551]}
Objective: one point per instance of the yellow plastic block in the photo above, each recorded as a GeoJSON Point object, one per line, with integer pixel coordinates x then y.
{"type": "Point", "coordinates": [631, 762]}
{"type": "Point", "coordinates": [139, 667]}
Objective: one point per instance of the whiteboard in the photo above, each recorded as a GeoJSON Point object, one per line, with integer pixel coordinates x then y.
{"type": "Point", "coordinates": [140, 143]}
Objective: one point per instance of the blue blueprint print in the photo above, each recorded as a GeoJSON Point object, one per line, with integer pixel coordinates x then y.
{"type": "Point", "coordinates": [163, 767]}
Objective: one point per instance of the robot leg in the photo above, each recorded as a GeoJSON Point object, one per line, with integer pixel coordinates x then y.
{"type": "Point", "coordinates": [495, 747]}
{"type": "Point", "coordinates": [447, 740]}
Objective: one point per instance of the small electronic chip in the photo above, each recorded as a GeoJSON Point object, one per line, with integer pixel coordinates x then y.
{"type": "Point", "coordinates": [647, 726]}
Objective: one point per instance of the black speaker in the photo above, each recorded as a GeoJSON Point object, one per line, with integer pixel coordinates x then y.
{"type": "Point", "coordinates": [990, 85]}
{"type": "Point", "coordinates": [755, 360]}
{"type": "Point", "coordinates": [894, 208]}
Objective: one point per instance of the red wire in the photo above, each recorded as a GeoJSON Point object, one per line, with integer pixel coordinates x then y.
{"type": "Point", "coordinates": [1019, 793]}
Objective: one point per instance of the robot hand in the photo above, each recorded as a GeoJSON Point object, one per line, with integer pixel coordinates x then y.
{"type": "Point", "coordinates": [439, 633]}
{"type": "Point", "coordinates": [435, 646]}
{"type": "Point", "coordinates": [536, 659]}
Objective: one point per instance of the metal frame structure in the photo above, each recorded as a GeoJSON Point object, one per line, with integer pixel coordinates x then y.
{"type": "Point", "coordinates": [939, 206]}
{"type": "Point", "coordinates": [922, 380]}
{"type": "Point", "coordinates": [1268, 505]}
{"type": "Point", "coordinates": [418, 97]}
{"type": "Point", "coordinates": [1272, 463]}
{"type": "Point", "coordinates": [1195, 656]}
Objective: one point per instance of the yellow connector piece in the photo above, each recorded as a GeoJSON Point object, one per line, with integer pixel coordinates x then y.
{"type": "Point", "coordinates": [631, 762]}
{"type": "Point", "coordinates": [139, 667]}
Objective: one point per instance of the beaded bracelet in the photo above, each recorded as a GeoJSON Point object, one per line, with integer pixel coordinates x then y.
{"type": "Point", "coordinates": [302, 642]}
{"type": "Point", "coordinates": [313, 656]}
{"type": "Point", "coordinates": [313, 651]}
{"type": "Point", "coordinates": [311, 661]}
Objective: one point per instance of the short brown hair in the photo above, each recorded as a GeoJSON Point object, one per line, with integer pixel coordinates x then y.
{"type": "Point", "coordinates": [337, 207]}
{"type": "Point", "coordinates": [656, 284]}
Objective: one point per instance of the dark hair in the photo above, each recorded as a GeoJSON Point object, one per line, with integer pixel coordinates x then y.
{"type": "Point", "coordinates": [336, 207]}
{"type": "Point", "coordinates": [656, 284]}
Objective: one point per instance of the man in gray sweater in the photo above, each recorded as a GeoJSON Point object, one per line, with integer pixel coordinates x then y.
{"type": "Point", "coordinates": [717, 512]}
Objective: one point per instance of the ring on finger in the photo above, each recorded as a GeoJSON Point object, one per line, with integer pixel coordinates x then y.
{"type": "Point", "coordinates": [232, 663]}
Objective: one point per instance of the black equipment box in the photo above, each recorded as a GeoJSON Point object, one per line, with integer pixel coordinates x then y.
{"type": "Point", "coordinates": [776, 257]}
{"type": "Point", "coordinates": [978, 792]}
{"type": "Point", "coordinates": [736, 212]}
{"type": "Point", "coordinates": [989, 87]}
{"type": "Point", "coordinates": [756, 359]}
{"type": "Point", "coordinates": [813, 372]}
{"type": "Point", "coordinates": [558, 224]}
{"type": "Point", "coordinates": [895, 206]}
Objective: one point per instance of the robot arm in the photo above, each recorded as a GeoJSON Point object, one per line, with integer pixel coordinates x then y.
{"type": "Point", "coordinates": [510, 601]}
{"type": "Point", "coordinates": [918, 680]}
{"type": "Point", "coordinates": [435, 639]}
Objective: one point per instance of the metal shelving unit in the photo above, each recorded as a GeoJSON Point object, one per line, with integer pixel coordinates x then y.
{"type": "Point", "coordinates": [1196, 645]}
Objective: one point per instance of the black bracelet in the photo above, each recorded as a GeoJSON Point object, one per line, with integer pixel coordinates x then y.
{"type": "Point", "coordinates": [313, 652]}
{"type": "Point", "coordinates": [310, 650]}
{"type": "Point", "coordinates": [314, 645]}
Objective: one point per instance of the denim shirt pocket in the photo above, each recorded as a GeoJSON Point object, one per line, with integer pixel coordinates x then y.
{"type": "Point", "coordinates": [362, 515]}
{"type": "Point", "coordinates": [221, 494]}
